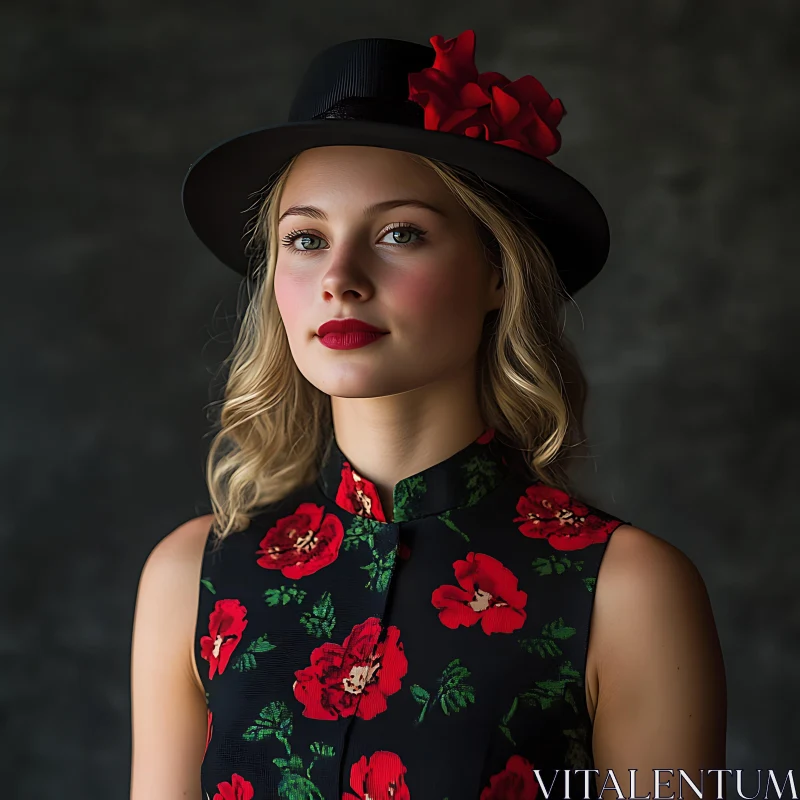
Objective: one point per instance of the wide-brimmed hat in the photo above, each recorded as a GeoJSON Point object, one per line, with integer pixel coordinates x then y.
{"type": "Point", "coordinates": [431, 101]}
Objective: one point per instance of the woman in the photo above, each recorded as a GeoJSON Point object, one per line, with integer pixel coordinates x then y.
{"type": "Point", "coordinates": [394, 594]}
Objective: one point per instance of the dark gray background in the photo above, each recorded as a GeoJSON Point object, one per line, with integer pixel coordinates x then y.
{"type": "Point", "coordinates": [682, 118]}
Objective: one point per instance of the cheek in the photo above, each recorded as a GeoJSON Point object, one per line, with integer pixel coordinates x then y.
{"type": "Point", "coordinates": [434, 298]}
{"type": "Point", "coordinates": [292, 298]}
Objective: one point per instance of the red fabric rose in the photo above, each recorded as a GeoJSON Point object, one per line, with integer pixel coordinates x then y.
{"type": "Point", "coordinates": [302, 543]}
{"type": "Point", "coordinates": [488, 595]}
{"type": "Point", "coordinates": [237, 789]}
{"type": "Point", "coordinates": [225, 625]}
{"type": "Point", "coordinates": [567, 524]}
{"type": "Point", "coordinates": [355, 677]}
{"type": "Point", "coordinates": [515, 782]}
{"type": "Point", "coordinates": [379, 778]}
{"type": "Point", "coordinates": [457, 99]}
{"type": "Point", "coordinates": [359, 495]}
{"type": "Point", "coordinates": [208, 733]}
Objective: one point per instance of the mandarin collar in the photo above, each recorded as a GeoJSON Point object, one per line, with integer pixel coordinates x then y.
{"type": "Point", "coordinates": [458, 481]}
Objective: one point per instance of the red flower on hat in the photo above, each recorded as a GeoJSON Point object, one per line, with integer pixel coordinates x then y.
{"type": "Point", "coordinates": [458, 99]}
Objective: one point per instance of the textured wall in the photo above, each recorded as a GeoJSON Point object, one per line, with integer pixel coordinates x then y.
{"type": "Point", "coordinates": [682, 118]}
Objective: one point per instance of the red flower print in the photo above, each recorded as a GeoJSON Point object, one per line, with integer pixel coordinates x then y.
{"type": "Point", "coordinates": [379, 778]}
{"type": "Point", "coordinates": [355, 677]}
{"type": "Point", "coordinates": [359, 495]}
{"type": "Point", "coordinates": [237, 789]}
{"type": "Point", "coordinates": [208, 733]}
{"type": "Point", "coordinates": [302, 543]}
{"type": "Point", "coordinates": [488, 595]}
{"type": "Point", "coordinates": [515, 782]}
{"type": "Point", "coordinates": [457, 99]}
{"type": "Point", "coordinates": [549, 513]}
{"type": "Point", "coordinates": [486, 436]}
{"type": "Point", "coordinates": [225, 625]}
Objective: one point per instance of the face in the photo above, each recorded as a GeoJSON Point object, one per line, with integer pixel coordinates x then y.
{"type": "Point", "coordinates": [417, 273]}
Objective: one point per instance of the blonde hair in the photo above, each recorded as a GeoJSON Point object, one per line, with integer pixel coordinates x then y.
{"type": "Point", "coordinates": [532, 389]}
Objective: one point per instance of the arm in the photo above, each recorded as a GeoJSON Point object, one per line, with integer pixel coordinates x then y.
{"type": "Point", "coordinates": [662, 690]}
{"type": "Point", "coordinates": [168, 708]}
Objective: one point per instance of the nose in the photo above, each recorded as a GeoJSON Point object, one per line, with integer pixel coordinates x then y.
{"type": "Point", "coordinates": [345, 274]}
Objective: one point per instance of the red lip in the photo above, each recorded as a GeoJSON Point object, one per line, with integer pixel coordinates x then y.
{"type": "Point", "coordinates": [348, 325]}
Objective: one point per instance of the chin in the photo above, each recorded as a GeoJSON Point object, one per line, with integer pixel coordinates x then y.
{"type": "Point", "coordinates": [361, 380]}
{"type": "Point", "coordinates": [338, 386]}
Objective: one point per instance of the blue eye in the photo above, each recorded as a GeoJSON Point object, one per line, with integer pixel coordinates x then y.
{"type": "Point", "coordinates": [306, 236]}
{"type": "Point", "coordinates": [290, 238]}
{"type": "Point", "coordinates": [404, 229]}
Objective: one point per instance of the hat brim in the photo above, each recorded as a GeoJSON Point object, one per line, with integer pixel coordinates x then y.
{"type": "Point", "coordinates": [221, 187]}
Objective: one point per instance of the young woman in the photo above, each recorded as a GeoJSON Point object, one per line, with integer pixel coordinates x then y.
{"type": "Point", "coordinates": [394, 595]}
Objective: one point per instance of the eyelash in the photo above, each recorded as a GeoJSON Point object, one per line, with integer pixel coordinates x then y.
{"type": "Point", "coordinates": [289, 239]}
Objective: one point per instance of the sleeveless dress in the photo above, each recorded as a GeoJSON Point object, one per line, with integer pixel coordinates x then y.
{"type": "Point", "coordinates": [440, 656]}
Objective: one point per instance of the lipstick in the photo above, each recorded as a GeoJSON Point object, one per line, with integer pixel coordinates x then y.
{"type": "Point", "coordinates": [348, 334]}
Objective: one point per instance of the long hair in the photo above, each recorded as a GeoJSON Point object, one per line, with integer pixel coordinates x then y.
{"type": "Point", "coordinates": [274, 425]}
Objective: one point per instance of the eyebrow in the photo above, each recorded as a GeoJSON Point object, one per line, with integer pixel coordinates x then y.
{"type": "Point", "coordinates": [318, 213]}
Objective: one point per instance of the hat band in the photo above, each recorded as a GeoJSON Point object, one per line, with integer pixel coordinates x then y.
{"type": "Point", "coordinates": [377, 109]}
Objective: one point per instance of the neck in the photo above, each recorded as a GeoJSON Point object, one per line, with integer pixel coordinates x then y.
{"type": "Point", "coordinates": [392, 437]}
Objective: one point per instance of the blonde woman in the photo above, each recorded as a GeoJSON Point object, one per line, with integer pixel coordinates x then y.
{"type": "Point", "coordinates": [394, 595]}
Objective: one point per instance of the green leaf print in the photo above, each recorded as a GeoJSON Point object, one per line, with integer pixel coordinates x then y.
{"type": "Point", "coordinates": [405, 494]}
{"type": "Point", "coordinates": [247, 659]}
{"type": "Point", "coordinates": [320, 749]}
{"type": "Point", "coordinates": [506, 719]}
{"type": "Point", "coordinates": [298, 787]}
{"type": "Point", "coordinates": [296, 783]}
{"type": "Point", "coordinates": [577, 755]}
{"type": "Point", "coordinates": [380, 570]}
{"type": "Point", "coordinates": [589, 583]}
{"type": "Point", "coordinates": [321, 620]}
{"type": "Point", "coordinates": [453, 527]}
{"type": "Point", "coordinates": [361, 530]}
{"type": "Point", "coordinates": [546, 646]}
{"type": "Point", "coordinates": [452, 695]}
{"type": "Point", "coordinates": [245, 662]}
{"type": "Point", "coordinates": [207, 583]}
{"type": "Point", "coordinates": [295, 762]}
{"type": "Point", "coordinates": [419, 694]}
{"type": "Point", "coordinates": [482, 476]}
{"type": "Point", "coordinates": [546, 693]}
{"type": "Point", "coordinates": [552, 564]}
{"type": "Point", "coordinates": [273, 720]}
{"type": "Point", "coordinates": [282, 595]}
{"type": "Point", "coordinates": [570, 698]}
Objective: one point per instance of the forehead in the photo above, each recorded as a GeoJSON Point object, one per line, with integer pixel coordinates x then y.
{"type": "Point", "coordinates": [344, 174]}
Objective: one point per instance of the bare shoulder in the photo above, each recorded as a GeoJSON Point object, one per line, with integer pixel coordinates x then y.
{"type": "Point", "coordinates": [635, 557]}
{"type": "Point", "coordinates": [171, 576]}
{"type": "Point", "coordinates": [640, 566]}
{"type": "Point", "coordinates": [183, 545]}
{"type": "Point", "coordinates": [645, 580]}
{"type": "Point", "coordinates": [649, 593]}
{"type": "Point", "coordinates": [168, 705]}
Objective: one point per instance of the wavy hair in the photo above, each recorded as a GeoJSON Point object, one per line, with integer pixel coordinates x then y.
{"type": "Point", "coordinates": [532, 389]}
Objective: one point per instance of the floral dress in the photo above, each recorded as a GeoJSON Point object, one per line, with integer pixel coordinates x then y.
{"type": "Point", "coordinates": [440, 656]}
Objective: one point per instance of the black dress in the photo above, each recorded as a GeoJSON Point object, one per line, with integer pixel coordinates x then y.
{"type": "Point", "coordinates": [440, 656]}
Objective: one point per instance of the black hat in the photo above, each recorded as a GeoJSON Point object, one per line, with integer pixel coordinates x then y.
{"type": "Point", "coordinates": [425, 100]}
